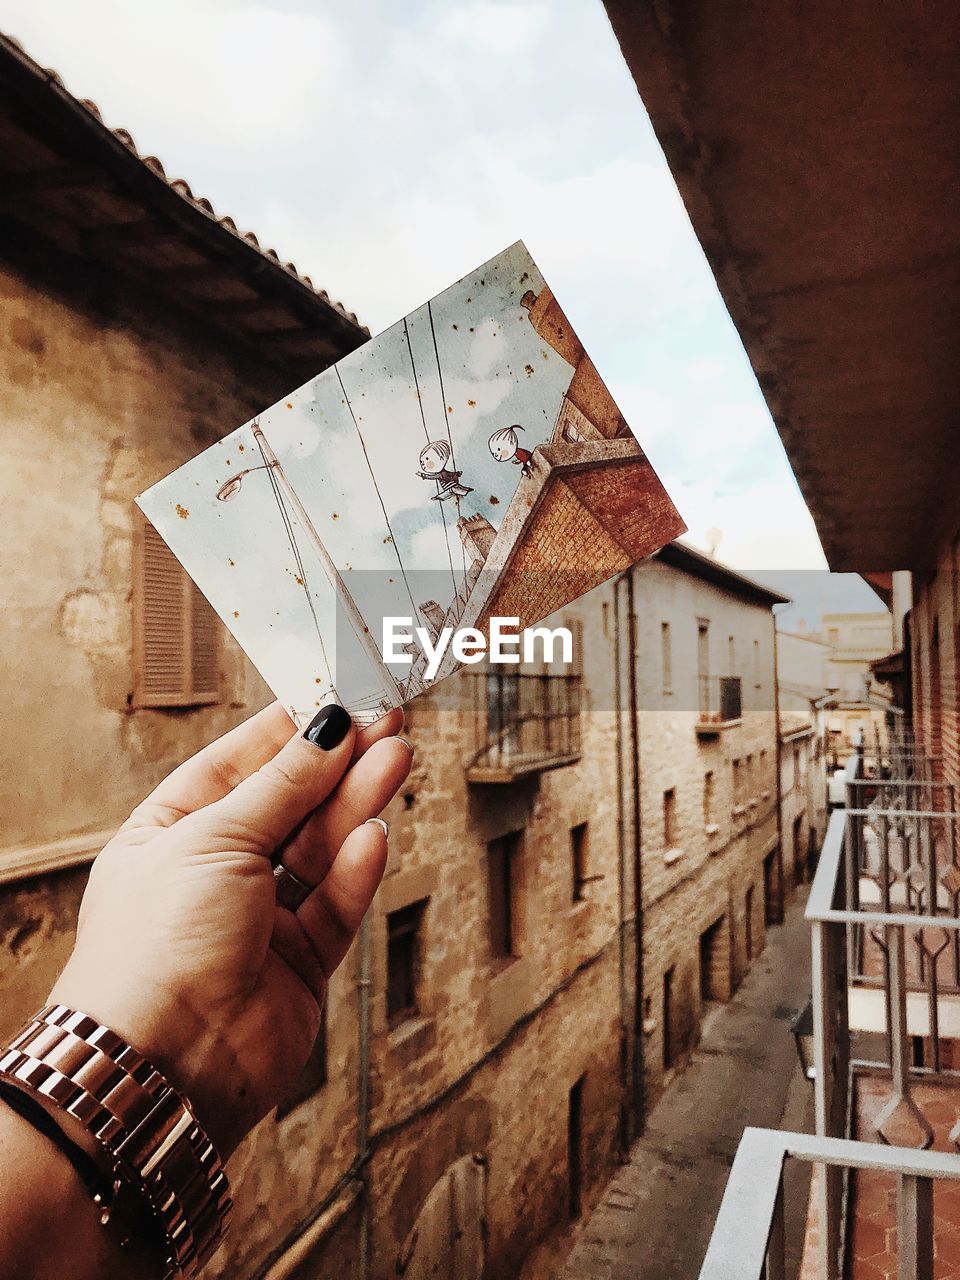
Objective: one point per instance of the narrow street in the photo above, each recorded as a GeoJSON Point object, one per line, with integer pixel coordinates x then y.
{"type": "Point", "coordinates": [655, 1220]}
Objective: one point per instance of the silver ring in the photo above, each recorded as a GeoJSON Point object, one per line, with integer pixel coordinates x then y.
{"type": "Point", "coordinates": [290, 891]}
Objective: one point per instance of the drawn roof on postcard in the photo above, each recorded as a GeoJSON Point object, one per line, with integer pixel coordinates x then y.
{"type": "Point", "coordinates": [468, 462]}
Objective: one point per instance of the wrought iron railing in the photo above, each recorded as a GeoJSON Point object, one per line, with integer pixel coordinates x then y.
{"type": "Point", "coordinates": [721, 699]}
{"type": "Point", "coordinates": [885, 948]}
{"type": "Point", "coordinates": [884, 913]}
{"type": "Point", "coordinates": [525, 720]}
{"type": "Point", "coordinates": [749, 1237]}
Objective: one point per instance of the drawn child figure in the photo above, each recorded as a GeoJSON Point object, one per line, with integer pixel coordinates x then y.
{"type": "Point", "coordinates": [505, 447]}
{"type": "Point", "coordinates": [433, 463]}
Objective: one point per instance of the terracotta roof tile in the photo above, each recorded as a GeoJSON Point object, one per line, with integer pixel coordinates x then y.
{"type": "Point", "coordinates": [182, 187]}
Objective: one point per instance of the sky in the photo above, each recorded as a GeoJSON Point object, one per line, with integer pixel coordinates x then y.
{"type": "Point", "coordinates": [390, 149]}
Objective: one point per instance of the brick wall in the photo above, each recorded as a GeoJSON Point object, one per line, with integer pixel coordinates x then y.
{"type": "Point", "coordinates": [936, 612]}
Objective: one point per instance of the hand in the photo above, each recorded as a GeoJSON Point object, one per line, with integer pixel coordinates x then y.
{"type": "Point", "coordinates": [181, 947]}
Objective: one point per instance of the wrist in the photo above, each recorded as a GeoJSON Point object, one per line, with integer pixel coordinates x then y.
{"type": "Point", "coordinates": [166, 1177]}
{"type": "Point", "coordinates": [177, 1040]}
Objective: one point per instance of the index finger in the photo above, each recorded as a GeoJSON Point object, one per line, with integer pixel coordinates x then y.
{"type": "Point", "coordinates": [215, 770]}
{"type": "Point", "coordinates": [223, 764]}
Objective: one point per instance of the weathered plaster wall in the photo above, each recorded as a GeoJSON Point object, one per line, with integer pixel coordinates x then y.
{"type": "Point", "coordinates": [91, 411]}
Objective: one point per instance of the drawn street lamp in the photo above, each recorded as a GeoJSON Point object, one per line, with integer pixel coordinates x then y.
{"type": "Point", "coordinates": [388, 687]}
{"type": "Point", "coordinates": [230, 488]}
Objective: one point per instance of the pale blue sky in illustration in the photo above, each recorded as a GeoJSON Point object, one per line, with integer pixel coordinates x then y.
{"type": "Point", "coordinates": [389, 149]}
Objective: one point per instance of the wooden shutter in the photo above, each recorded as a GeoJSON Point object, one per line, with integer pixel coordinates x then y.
{"type": "Point", "coordinates": [176, 633]}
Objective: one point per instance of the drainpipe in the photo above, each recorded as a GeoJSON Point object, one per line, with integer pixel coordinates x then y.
{"type": "Point", "coordinates": [776, 708]}
{"type": "Point", "coordinates": [633, 779]}
{"type": "Point", "coordinates": [363, 1094]}
{"type": "Point", "coordinates": [621, 709]}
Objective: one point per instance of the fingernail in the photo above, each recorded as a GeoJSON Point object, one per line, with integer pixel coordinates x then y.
{"type": "Point", "coordinates": [406, 742]}
{"type": "Point", "coordinates": [381, 822]}
{"type": "Point", "coordinates": [329, 727]}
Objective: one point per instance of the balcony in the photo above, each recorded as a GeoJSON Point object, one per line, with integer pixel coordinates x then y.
{"type": "Point", "coordinates": [721, 704]}
{"type": "Point", "coordinates": [527, 722]}
{"type": "Point", "coordinates": [748, 1241]}
{"type": "Point", "coordinates": [884, 912]}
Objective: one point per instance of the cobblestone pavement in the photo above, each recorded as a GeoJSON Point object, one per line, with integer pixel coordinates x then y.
{"type": "Point", "coordinates": [656, 1216]}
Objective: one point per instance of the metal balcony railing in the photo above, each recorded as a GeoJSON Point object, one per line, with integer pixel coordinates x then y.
{"type": "Point", "coordinates": [885, 932]}
{"type": "Point", "coordinates": [898, 754]}
{"type": "Point", "coordinates": [748, 1241]}
{"type": "Point", "coordinates": [526, 722]}
{"type": "Point", "coordinates": [721, 700]}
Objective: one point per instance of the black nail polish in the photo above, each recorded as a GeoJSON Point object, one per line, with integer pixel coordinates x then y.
{"type": "Point", "coordinates": [329, 727]}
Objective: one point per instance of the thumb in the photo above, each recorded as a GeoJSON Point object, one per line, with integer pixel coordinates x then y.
{"type": "Point", "coordinates": [262, 811]}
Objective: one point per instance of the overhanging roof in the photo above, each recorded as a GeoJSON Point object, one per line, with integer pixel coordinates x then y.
{"type": "Point", "coordinates": [77, 198]}
{"type": "Point", "coordinates": [684, 557]}
{"type": "Point", "coordinates": [817, 151]}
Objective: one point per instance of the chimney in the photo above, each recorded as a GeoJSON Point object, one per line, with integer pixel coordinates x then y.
{"type": "Point", "coordinates": [477, 535]}
{"type": "Point", "coordinates": [433, 615]}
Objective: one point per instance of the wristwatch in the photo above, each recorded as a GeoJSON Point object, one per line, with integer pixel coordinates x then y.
{"type": "Point", "coordinates": [156, 1152]}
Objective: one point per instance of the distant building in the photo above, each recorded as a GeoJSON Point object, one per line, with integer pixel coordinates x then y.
{"type": "Point", "coordinates": [859, 702]}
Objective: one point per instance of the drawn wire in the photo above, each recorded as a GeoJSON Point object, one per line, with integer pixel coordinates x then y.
{"type": "Point", "coordinates": [446, 423]}
{"type": "Point", "coordinates": [423, 419]}
{"type": "Point", "coordinates": [298, 560]}
{"type": "Point", "coordinates": [386, 518]}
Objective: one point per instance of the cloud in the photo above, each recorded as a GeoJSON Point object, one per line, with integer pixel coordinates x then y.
{"type": "Point", "coordinates": [503, 29]}
{"type": "Point", "coordinates": [765, 527]}
{"type": "Point", "coordinates": [388, 150]}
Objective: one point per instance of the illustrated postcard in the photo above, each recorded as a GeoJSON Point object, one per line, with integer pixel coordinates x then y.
{"type": "Point", "coordinates": [468, 464]}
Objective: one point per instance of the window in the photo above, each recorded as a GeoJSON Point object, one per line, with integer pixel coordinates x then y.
{"type": "Point", "coordinates": [668, 1018]}
{"type": "Point", "coordinates": [714, 961]}
{"type": "Point", "coordinates": [503, 860]}
{"type": "Point", "coordinates": [748, 922]}
{"type": "Point", "coordinates": [314, 1074]}
{"type": "Point", "coordinates": [703, 648]}
{"type": "Point", "coordinates": [403, 961]}
{"type": "Point", "coordinates": [176, 635]}
{"type": "Point", "coordinates": [833, 637]}
{"type": "Point", "coordinates": [756, 665]}
{"type": "Point", "coordinates": [575, 1150]}
{"type": "Point", "coordinates": [708, 798]}
{"type": "Point", "coordinates": [737, 782]}
{"type": "Point", "coordinates": [750, 778]}
{"type": "Point", "coordinates": [666, 654]}
{"type": "Point", "coordinates": [670, 818]}
{"type": "Point", "coordinates": [578, 858]}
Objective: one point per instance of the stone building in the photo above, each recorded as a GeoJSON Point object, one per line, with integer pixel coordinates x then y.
{"type": "Point", "coordinates": [807, 748]}
{"type": "Point", "coordinates": [713, 875]}
{"type": "Point", "coordinates": [859, 701]}
{"type": "Point", "coordinates": [136, 327]}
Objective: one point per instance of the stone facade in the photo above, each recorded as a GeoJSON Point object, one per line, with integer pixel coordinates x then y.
{"type": "Point", "coordinates": [712, 867]}
{"type": "Point", "coordinates": [481, 1075]}
{"type": "Point", "coordinates": [803, 792]}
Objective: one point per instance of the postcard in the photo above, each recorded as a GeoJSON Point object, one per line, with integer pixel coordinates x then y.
{"type": "Point", "coordinates": [468, 464]}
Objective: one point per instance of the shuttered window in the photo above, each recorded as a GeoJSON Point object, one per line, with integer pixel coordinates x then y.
{"type": "Point", "coordinates": [176, 633]}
